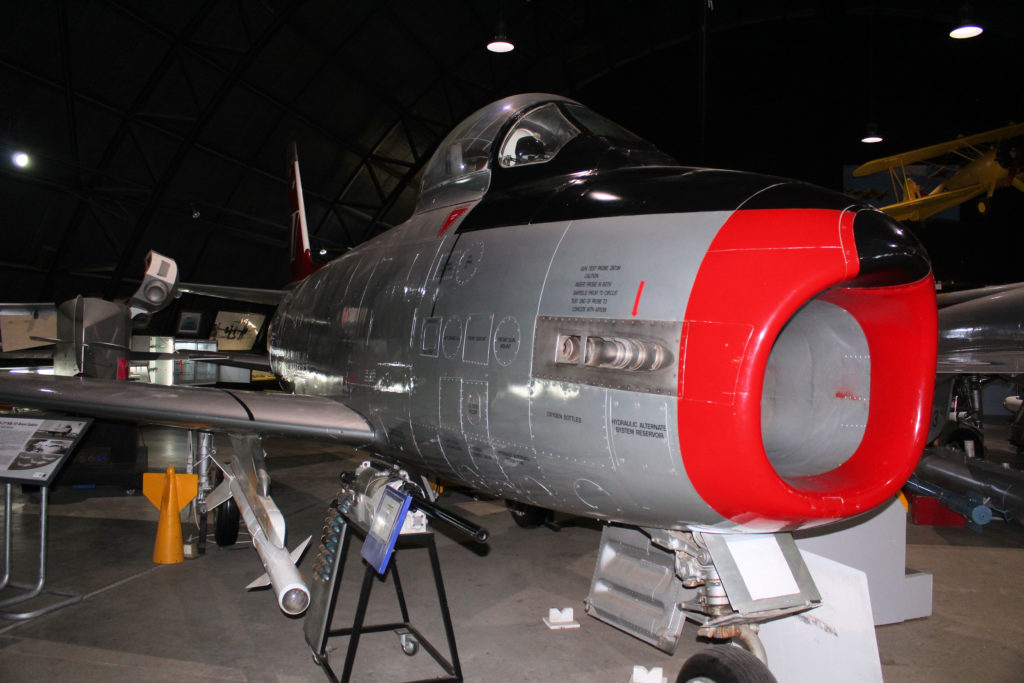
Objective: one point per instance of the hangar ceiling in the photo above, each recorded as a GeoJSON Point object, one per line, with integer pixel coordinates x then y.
{"type": "Point", "coordinates": [167, 125]}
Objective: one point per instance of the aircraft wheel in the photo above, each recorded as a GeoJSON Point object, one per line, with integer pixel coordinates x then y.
{"type": "Point", "coordinates": [526, 516]}
{"type": "Point", "coordinates": [724, 664]}
{"type": "Point", "coordinates": [225, 523]}
{"type": "Point", "coordinates": [225, 519]}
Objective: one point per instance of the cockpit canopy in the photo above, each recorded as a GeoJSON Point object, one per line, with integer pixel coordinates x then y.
{"type": "Point", "coordinates": [537, 137]}
{"type": "Point", "coordinates": [526, 130]}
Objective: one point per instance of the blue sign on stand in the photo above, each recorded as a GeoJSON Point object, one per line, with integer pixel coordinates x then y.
{"type": "Point", "coordinates": [385, 528]}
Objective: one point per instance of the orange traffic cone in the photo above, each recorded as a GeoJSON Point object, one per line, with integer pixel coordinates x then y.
{"type": "Point", "coordinates": [169, 492]}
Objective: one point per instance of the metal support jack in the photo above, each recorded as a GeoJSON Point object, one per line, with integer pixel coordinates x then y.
{"type": "Point", "coordinates": [69, 597]}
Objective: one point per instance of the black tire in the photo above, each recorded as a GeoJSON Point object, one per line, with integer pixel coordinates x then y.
{"type": "Point", "coordinates": [725, 664]}
{"type": "Point", "coordinates": [225, 523]}
{"type": "Point", "coordinates": [225, 520]}
{"type": "Point", "coordinates": [527, 516]}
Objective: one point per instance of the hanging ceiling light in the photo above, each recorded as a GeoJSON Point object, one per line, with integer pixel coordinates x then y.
{"type": "Point", "coordinates": [871, 136]}
{"type": "Point", "coordinates": [967, 27]}
{"type": "Point", "coordinates": [501, 41]}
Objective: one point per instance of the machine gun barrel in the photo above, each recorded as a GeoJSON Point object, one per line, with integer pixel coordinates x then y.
{"type": "Point", "coordinates": [474, 531]}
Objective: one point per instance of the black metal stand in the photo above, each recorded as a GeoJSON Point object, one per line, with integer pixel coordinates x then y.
{"type": "Point", "coordinates": [39, 588]}
{"type": "Point", "coordinates": [409, 636]}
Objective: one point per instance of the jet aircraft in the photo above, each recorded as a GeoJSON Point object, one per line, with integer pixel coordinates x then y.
{"type": "Point", "coordinates": [572, 321]}
{"type": "Point", "coordinates": [992, 161]}
{"type": "Point", "coordinates": [980, 338]}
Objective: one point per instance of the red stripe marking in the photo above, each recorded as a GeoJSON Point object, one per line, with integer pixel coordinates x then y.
{"type": "Point", "coordinates": [636, 301]}
{"type": "Point", "coordinates": [452, 217]}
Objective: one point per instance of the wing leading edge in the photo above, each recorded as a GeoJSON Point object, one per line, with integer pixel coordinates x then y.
{"type": "Point", "coordinates": [305, 417]}
{"type": "Point", "coordinates": [980, 331]}
{"type": "Point", "coordinates": [932, 151]}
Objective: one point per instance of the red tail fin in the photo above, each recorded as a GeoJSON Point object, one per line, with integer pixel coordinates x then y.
{"type": "Point", "coordinates": [301, 259]}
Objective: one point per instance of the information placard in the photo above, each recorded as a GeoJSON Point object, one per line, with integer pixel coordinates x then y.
{"type": "Point", "coordinates": [386, 526]}
{"type": "Point", "coordinates": [32, 450]}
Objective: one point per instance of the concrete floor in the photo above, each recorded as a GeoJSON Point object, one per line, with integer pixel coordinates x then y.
{"type": "Point", "coordinates": [141, 621]}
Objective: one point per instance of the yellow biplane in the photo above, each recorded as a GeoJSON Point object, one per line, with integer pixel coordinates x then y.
{"type": "Point", "coordinates": [992, 161]}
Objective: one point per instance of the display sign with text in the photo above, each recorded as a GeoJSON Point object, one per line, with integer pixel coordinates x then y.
{"type": "Point", "coordinates": [32, 450]}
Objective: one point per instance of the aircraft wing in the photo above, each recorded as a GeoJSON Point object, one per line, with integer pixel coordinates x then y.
{"type": "Point", "coordinates": [982, 362]}
{"type": "Point", "coordinates": [923, 207]}
{"type": "Point", "coordinates": [271, 297]}
{"type": "Point", "coordinates": [306, 417]}
{"type": "Point", "coordinates": [952, 298]}
{"type": "Point", "coordinates": [247, 415]}
{"type": "Point", "coordinates": [982, 333]}
{"type": "Point", "coordinates": [937, 150]}
{"type": "Point", "coordinates": [238, 359]}
{"type": "Point", "coordinates": [44, 354]}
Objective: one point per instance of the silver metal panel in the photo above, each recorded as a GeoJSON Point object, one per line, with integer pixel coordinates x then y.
{"type": "Point", "coordinates": [581, 474]}
{"type": "Point", "coordinates": [474, 408]}
{"type": "Point", "coordinates": [744, 598]}
{"type": "Point", "coordinates": [430, 336]}
{"type": "Point", "coordinates": [450, 404]}
{"type": "Point", "coordinates": [511, 297]}
{"type": "Point", "coordinates": [635, 589]}
{"type": "Point", "coordinates": [456, 451]}
{"type": "Point", "coordinates": [502, 306]}
{"type": "Point", "coordinates": [524, 472]}
{"type": "Point", "coordinates": [468, 260]}
{"type": "Point", "coordinates": [644, 437]}
{"type": "Point", "coordinates": [573, 416]}
{"type": "Point", "coordinates": [508, 339]}
{"type": "Point", "coordinates": [585, 282]}
{"type": "Point", "coordinates": [451, 337]}
{"type": "Point", "coordinates": [477, 348]}
{"type": "Point", "coordinates": [488, 463]}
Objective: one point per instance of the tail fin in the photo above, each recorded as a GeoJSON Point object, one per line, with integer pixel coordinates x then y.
{"type": "Point", "coordinates": [301, 259]}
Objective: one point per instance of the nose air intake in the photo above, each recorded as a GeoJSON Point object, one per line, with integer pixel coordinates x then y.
{"type": "Point", "coordinates": [805, 388]}
{"type": "Point", "coordinates": [817, 388]}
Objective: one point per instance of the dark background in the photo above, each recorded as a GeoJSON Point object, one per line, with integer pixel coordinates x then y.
{"type": "Point", "coordinates": [166, 125]}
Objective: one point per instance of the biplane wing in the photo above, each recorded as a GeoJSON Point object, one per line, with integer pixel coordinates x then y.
{"type": "Point", "coordinates": [938, 150]}
{"type": "Point", "coordinates": [991, 162]}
